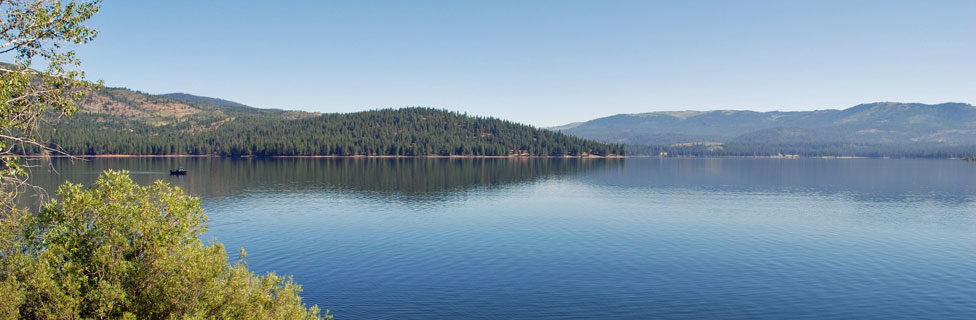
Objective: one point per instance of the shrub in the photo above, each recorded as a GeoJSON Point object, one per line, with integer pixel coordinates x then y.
{"type": "Point", "coordinates": [118, 250]}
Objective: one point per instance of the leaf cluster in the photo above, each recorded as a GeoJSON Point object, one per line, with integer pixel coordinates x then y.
{"type": "Point", "coordinates": [38, 30]}
{"type": "Point", "coordinates": [118, 250]}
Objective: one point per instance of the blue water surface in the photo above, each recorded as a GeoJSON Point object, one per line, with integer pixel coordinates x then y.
{"type": "Point", "coordinates": [595, 239]}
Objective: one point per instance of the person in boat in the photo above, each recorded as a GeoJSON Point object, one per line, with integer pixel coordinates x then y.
{"type": "Point", "coordinates": [179, 171]}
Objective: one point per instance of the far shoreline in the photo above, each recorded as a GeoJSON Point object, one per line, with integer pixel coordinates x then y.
{"type": "Point", "coordinates": [108, 156]}
{"type": "Point", "coordinates": [136, 156]}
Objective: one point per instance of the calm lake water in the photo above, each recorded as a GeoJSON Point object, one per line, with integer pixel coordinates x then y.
{"type": "Point", "coordinates": [594, 239]}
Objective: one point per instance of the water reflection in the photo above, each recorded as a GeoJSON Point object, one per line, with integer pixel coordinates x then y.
{"type": "Point", "coordinates": [594, 239]}
{"type": "Point", "coordinates": [403, 179]}
{"type": "Point", "coordinates": [866, 180]}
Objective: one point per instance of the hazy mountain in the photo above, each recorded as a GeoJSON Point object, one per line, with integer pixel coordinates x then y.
{"type": "Point", "coordinates": [186, 97]}
{"type": "Point", "coordinates": [884, 125]}
{"type": "Point", "coordinates": [565, 126]}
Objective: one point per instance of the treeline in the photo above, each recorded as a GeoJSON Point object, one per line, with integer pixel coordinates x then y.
{"type": "Point", "coordinates": [809, 150]}
{"type": "Point", "coordinates": [387, 132]}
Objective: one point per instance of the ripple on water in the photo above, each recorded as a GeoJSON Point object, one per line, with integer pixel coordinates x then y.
{"type": "Point", "coordinates": [641, 239]}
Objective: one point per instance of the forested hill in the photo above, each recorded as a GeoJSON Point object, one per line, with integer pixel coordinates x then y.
{"type": "Point", "coordinates": [875, 129]}
{"type": "Point", "coordinates": [121, 121]}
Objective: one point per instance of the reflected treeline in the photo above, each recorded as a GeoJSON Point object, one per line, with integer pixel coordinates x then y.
{"type": "Point", "coordinates": [410, 177]}
{"type": "Point", "coordinates": [871, 180]}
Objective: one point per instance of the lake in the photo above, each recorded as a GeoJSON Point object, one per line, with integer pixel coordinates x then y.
{"type": "Point", "coordinates": [593, 238]}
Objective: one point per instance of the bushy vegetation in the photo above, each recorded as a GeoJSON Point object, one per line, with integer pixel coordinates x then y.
{"type": "Point", "coordinates": [387, 132]}
{"type": "Point", "coordinates": [117, 250]}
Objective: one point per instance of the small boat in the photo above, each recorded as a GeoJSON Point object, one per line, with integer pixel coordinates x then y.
{"type": "Point", "coordinates": [178, 172]}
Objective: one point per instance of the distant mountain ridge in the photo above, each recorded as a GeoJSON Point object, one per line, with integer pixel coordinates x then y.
{"type": "Point", "coordinates": [882, 125]}
{"type": "Point", "coordinates": [186, 97]}
{"type": "Point", "coordinates": [127, 122]}
{"type": "Point", "coordinates": [114, 103]}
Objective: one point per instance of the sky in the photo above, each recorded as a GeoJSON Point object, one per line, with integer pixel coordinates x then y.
{"type": "Point", "coordinates": [540, 62]}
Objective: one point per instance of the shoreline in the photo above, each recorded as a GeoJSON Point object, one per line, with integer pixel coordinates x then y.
{"type": "Point", "coordinates": [323, 156]}
{"type": "Point", "coordinates": [450, 157]}
{"type": "Point", "coordinates": [120, 156]}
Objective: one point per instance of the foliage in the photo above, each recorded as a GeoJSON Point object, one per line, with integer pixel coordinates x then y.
{"type": "Point", "coordinates": [386, 132]}
{"type": "Point", "coordinates": [118, 250]}
{"type": "Point", "coordinates": [37, 30]}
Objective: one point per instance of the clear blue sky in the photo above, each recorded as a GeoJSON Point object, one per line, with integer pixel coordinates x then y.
{"type": "Point", "coordinates": [541, 62]}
